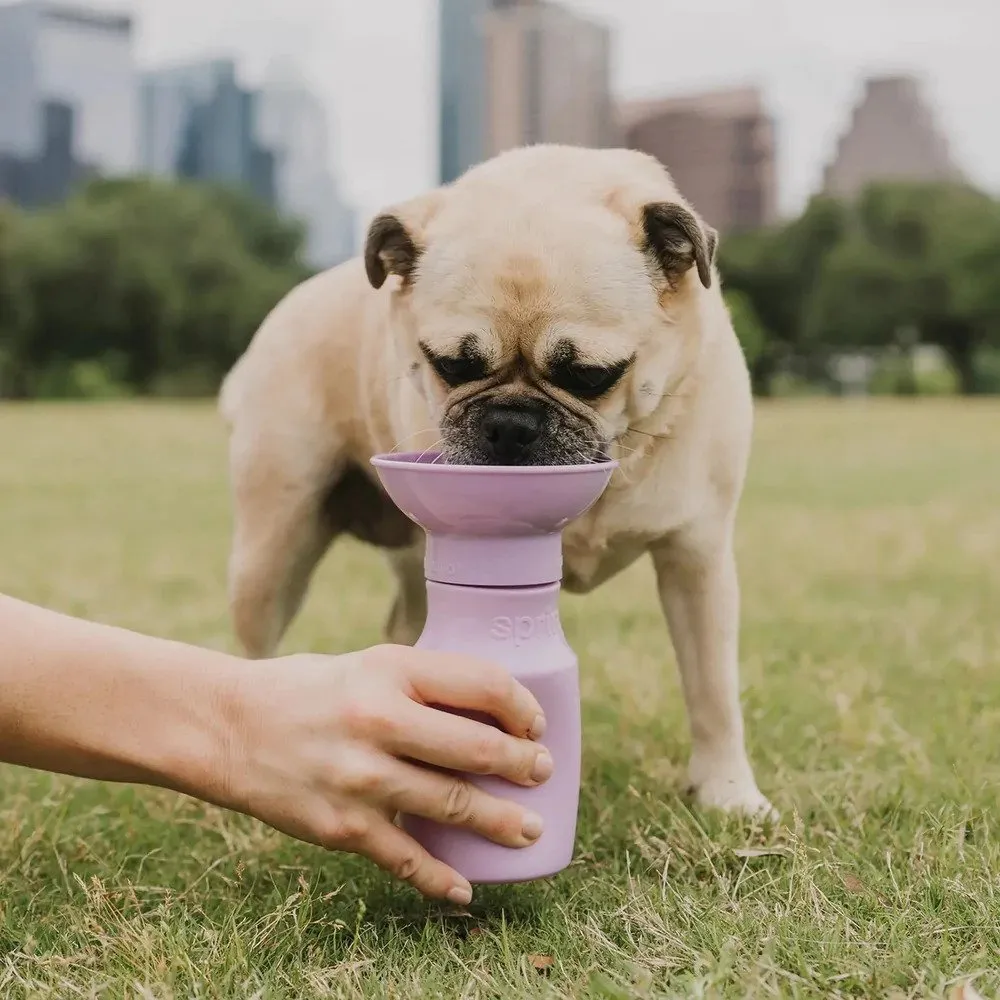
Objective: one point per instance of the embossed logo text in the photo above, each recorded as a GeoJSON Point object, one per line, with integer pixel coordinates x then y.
{"type": "Point", "coordinates": [520, 629]}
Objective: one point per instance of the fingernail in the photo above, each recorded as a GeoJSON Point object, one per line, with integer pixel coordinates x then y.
{"type": "Point", "coordinates": [531, 826]}
{"type": "Point", "coordinates": [460, 895]}
{"type": "Point", "coordinates": [537, 730]}
{"type": "Point", "coordinates": [543, 768]}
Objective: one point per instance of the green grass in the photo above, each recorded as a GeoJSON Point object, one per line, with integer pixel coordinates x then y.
{"type": "Point", "coordinates": [869, 547]}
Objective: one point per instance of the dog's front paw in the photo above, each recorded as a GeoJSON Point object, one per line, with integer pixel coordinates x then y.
{"type": "Point", "coordinates": [730, 786]}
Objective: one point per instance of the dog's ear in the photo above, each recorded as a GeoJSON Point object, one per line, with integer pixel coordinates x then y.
{"type": "Point", "coordinates": [677, 240]}
{"type": "Point", "coordinates": [395, 239]}
{"type": "Point", "coordinates": [389, 249]}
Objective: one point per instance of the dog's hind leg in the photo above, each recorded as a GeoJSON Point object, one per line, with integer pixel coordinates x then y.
{"type": "Point", "coordinates": [282, 527]}
{"type": "Point", "coordinates": [409, 609]}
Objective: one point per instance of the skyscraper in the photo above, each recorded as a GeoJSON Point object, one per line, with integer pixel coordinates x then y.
{"type": "Point", "coordinates": [292, 122]}
{"type": "Point", "coordinates": [198, 123]}
{"type": "Point", "coordinates": [719, 148]}
{"type": "Point", "coordinates": [68, 104]}
{"type": "Point", "coordinates": [548, 77]}
{"type": "Point", "coordinates": [518, 72]}
{"type": "Point", "coordinates": [892, 135]}
{"type": "Point", "coordinates": [462, 85]}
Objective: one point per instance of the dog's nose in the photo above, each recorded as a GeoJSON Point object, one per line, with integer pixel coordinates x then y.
{"type": "Point", "coordinates": [510, 431]}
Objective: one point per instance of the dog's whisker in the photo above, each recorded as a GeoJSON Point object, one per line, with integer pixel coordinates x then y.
{"type": "Point", "coordinates": [658, 437]}
{"type": "Point", "coordinates": [581, 457]}
{"type": "Point", "coordinates": [435, 447]}
{"type": "Point", "coordinates": [398, 446]}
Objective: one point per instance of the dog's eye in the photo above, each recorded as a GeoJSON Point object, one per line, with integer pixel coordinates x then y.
{"type": "Point", "coordinates": [588, 381]}
{"type": "Point", "coordinates": [455, 371]}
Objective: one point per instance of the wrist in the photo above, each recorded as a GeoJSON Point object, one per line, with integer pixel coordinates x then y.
{"type": "Point", "coordinates": [202, 755]}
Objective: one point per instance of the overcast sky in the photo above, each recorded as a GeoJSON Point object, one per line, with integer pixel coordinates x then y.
{"type": "Point", "coordinates": [374, 63]}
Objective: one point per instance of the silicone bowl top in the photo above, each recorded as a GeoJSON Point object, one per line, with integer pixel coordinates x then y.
{"type": "Point", "coordinates": [490, 501]}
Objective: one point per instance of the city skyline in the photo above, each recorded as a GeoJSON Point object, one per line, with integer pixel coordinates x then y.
{"type": "Point", "coordinates": [519, 72]}
{"type": "Point", "coordinates": [374, 66]}
{"type": "Point", "coordinates": [81, 105]}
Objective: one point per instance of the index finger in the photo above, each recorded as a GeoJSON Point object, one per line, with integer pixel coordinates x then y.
{"type": "Point", "coordinates": [456, 681]}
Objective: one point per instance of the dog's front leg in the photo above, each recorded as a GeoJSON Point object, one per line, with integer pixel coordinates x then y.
{"type": "Point", "coordinates": [699, 591]}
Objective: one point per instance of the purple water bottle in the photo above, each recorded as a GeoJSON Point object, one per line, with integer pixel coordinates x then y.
{"type": "Point", "coordinates": [493, 567]}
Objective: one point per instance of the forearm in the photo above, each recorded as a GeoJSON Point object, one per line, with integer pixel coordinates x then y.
{"type": "Point", "coordinates": [102, 702]}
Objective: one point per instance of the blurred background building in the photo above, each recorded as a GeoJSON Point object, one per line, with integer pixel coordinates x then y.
{"type": "Point", "coordinates": [518, 72]}
{"type": "Point", "coordinates": [198, 123]}
{"type": "Point", "coordinates": [291, 122]}
{"type": "Point", "coordinates": [73, 105]}
{"type": "Point", "coordinates": [548, 77]}
{"type": "Point", "coordinates": [719, 148]}
{"type": "Point", "coordinates": [510, 72]}
{"type": "Point", "coordinates": [892, 136]}
{"type": "Point", "coordinates": [68, 98]}
{"type": "Point", "coordinates": [461, 85]}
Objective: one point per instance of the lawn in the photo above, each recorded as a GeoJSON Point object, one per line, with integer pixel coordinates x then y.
{"type": "Point", "coordinates": [869, 547]}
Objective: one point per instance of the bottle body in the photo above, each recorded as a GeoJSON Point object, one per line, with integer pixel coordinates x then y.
{"type": "Point", "coordinates": [518, 628]}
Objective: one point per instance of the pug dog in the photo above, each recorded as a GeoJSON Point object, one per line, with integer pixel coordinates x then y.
{"type": "Point", "coordinates": [554, 305]}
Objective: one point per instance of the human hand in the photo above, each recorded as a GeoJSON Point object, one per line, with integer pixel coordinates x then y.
{"type": "Point", "coordinates": [330, 749]}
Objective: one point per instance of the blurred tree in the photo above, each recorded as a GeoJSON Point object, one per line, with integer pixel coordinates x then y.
{"type": "Point", "coordinates": [858, 298]}
{"type": "Point", "coordinates": [102, 285]}
{"type": "Point", "coordinates": [15, 304]}
{"type": "Point", "coordinates": [904, 257]}
{"type": "Point", "coordinates": [859, 301]}
{"type": "Point", "coordinates": [158, 287]}
{"type": "Point", "coordinates": [775, 269]}
{"type": "Point", "coordinates": [944, 244]}
{"type": "Point", "coordinates": [749, 329]}
{"type": "Point", "coordinates": [974, 294]}
{"type": "Point", "coordinates": [161, 281]}
{"type": "Point", "coordinates": [274, 241]}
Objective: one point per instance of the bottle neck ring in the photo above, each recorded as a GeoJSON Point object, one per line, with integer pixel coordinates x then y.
{"type": "Point", "coordinates": [518, 561]}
